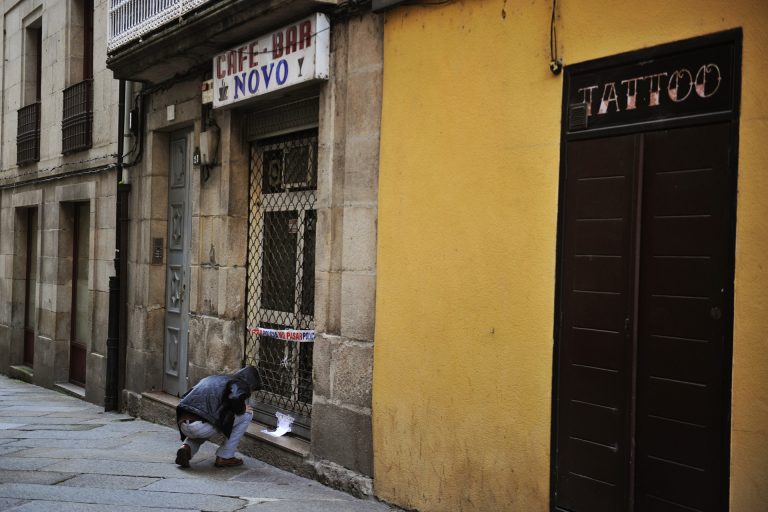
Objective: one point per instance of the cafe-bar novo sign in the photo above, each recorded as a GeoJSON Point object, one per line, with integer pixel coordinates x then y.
{"type": "Point", "coordinates": [292, 55]}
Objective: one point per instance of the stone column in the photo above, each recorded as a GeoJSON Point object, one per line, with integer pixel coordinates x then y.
{"type": "Point", "coordinates": [350, 114]}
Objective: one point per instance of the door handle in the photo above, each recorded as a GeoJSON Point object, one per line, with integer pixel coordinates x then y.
{"type": "Point", "coordinates": [716, 313]}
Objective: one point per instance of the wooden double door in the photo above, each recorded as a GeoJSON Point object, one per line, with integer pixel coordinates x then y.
{"type": "Point", "coordinates": [645, 321]}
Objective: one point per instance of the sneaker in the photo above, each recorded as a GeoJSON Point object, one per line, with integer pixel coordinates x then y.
{"type": "Point", "coordinates": [227, 463]}
{"type": "Point", "coordinates": [183, 455]}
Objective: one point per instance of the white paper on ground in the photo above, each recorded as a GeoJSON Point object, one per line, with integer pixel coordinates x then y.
{"type": "Point", "coordinates": [284, 423]}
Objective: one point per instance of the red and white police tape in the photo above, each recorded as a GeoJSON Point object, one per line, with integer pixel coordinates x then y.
{"type": "Point", "coordinates": [284, 334]}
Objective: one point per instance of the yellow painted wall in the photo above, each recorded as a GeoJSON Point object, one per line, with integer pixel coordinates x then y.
{"type": "Point", "coordinates": [467, 233]}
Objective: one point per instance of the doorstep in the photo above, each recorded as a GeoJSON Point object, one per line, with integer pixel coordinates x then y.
{"type": "Point", "coordinates": [22, 372]}
{"type": "Point", "coordinates": [293, 445]}
{"type": "Point", "coordinates": [70, 389]}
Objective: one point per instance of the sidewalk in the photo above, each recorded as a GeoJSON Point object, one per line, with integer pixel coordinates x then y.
{"type": "Point", "coordinates": [58, 453]}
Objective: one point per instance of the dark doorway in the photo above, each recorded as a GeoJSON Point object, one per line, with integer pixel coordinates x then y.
{"type": "Point", "coordinates": [80, 313]}
{"type": "Point", "coordinates": [645, 287]}
{"type": "Point", "coordinates": [30, 287]}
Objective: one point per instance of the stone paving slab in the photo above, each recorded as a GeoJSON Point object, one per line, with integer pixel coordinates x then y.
{"type": "Point", "coordinates": [316, 505]}
{"type": "Point", "coordinates": [32, 477]}
{"type": "Point", "coordinates": [7, 414]}
{"type": "Point", "coordinates": [55, 506]}
{"type": "Point", "coordinates": [43, 407]}
{"type": "Point", "coordinates": [76, 427]}
{"type": "Point", "coordinates": [5, 450]}
{"type": "Point", "coordinates": [90, 454]}
{"type": "Point", "coordinates": [119, 497]}
{"type": "Point", "coordinates": [24, 464]}
{"type": "Point", "coordinates": [73, 413]}
{"type": "Point", "coordinates": [110, 481]}
{"type": "Point", "coordinates": [71, 443]}
{"type": "Point", "coordinates": [43, 420]}
{"type": "Point", "coordinates": [56, 434]}
{"type": "Point", "coordinates": [296, 488]}
{"type": "Point", "coordinates": [8, 504]}
{"type": "Point", "coordinates": [127, 427]}
{"type": "Point", "coordinates": [121, 468]}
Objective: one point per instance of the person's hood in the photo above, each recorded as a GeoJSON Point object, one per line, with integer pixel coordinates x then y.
{"type": "Point", "coordinates": [250, 375]}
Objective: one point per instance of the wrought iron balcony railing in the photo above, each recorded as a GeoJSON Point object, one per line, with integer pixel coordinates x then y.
{"type": "Point", "coordinates": [77, 121]}
{"type": "Point", "coordinates": [28, 134]}
{"type": "Point", "coordinates": [131, 19]}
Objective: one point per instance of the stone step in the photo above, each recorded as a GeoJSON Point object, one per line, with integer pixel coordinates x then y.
{"type": "Point", "coordinates": [21, 372]}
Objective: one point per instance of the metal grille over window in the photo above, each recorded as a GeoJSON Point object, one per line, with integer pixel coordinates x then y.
{"type": "Point", "coordinates": [281, 272]}
{"type": "Point", "coordinates": [77, 118]}
{"type": "Point", "coordinates": [28, 135]}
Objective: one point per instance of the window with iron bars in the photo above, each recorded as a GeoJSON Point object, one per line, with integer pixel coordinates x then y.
{"type": "Point", "coordinates": [28, 136]}
{"type": "Point", "coordinates": [77, 117]}
{"type": "Point", "coordinates": [281, 273]}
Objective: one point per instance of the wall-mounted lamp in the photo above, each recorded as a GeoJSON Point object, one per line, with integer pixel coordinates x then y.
{"type": "Point", "coordinates": [209, 149]}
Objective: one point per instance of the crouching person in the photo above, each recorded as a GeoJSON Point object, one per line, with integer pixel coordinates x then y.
{"type": "Point", "coordinates": [216, 404]}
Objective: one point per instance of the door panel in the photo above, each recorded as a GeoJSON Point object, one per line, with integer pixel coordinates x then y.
{"type": "Point", "coordinates": [177, 270]}
{"type": "Point", "coordinates": [681, 457]}
{"type": "Point", "coordinates": [592, 443]}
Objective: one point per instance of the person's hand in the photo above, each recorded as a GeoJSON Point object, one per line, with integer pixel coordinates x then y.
{"type": "Point", "coordinates": [248, 408]}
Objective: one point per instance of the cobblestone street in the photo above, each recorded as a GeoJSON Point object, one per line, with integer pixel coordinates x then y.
{"type": "Point", "coordinates": [62, 454]}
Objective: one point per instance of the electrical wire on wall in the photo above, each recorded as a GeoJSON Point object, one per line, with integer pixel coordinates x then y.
{"type": "Point", "coordinates": [555, 64]}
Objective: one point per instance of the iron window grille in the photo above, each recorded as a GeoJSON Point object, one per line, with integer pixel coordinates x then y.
{"type": "Point", "coordinates": [28, 134]}
{"type": "Point", "coordinates": [281, 273]}
{"type": "Point", "coordinates": [77, 121]}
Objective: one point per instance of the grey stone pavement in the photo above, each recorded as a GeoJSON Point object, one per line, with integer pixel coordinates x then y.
{"type": "Point", "coordinates": [58, 453]}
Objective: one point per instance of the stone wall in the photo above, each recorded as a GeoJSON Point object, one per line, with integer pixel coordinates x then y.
{"type": "Point", "coordinates": [350, 117]}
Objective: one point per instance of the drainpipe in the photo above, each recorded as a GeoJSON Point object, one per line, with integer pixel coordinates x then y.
{"type": "Point", "coordinates": [113, 327]}
{"type": "Point", "coordinates": [122, 205]}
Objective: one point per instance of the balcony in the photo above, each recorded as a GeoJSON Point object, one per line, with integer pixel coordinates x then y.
{"type": "Point", "coordinates": [28, 134]}
{"type": "Point", "coordinates": [129, 20]}
{"type": "Point", "coordinates": [77, 120]}
{"type": "Point", "coordinates": [154, 40]}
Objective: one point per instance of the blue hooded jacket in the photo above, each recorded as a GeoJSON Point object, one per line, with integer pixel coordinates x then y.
{"type": "Point", "coordinates": [218, 398]}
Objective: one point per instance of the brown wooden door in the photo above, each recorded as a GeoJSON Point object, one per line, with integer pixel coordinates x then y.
{"type": "Point", "coordinates": [644, 323]}
{"type": "Point", "coordinates": [682, 366]}
{"type": "Point", "coordinates": [594, 376]}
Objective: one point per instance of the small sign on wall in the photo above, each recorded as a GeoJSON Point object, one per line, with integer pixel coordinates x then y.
{"type": "Point", "coordinates": [157, 251]}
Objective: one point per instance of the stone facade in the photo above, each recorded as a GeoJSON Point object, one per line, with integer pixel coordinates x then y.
{"type": "Point", "coordinates": [350, 114]}
{"type": "Point", "coordinates": [53, 186]}
{"type": "Point", "coordinates": [340, 446]}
